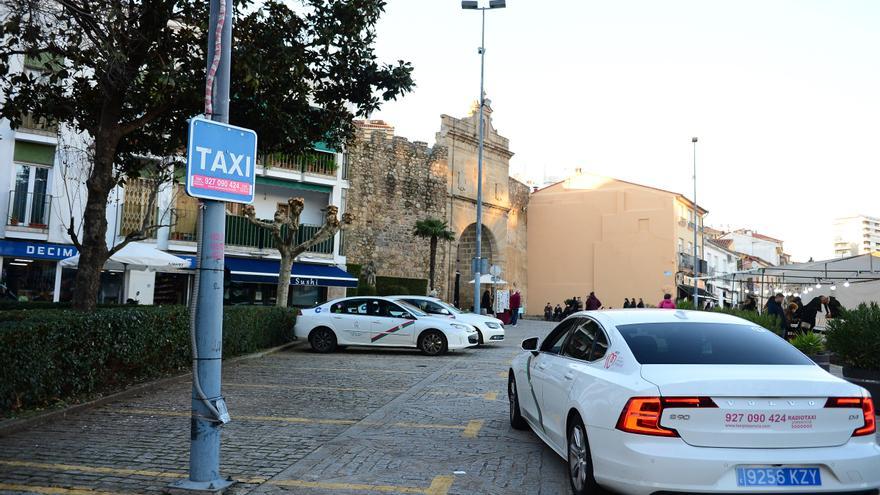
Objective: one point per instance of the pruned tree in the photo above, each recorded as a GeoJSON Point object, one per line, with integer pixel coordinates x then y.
{"type": "Point", "coordinates": [435, 230]}
{"type": "Point", "coordinates": [285, 228]}
{"type": "Point", "coordinates": [127, 74]}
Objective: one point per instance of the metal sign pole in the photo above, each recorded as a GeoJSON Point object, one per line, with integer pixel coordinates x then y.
{"type": "Point", "coordinates": [205, 427]}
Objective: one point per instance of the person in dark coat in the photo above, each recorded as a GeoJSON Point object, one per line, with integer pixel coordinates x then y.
{"type": "Point", "coordinates": [750, 304]}
{"type": "Point", "coordinates": [486, 301]}
{"type": "Point", "coordinates": [548, 312]}
{"type": "Point", "coordinates": [593, 302]}
{"type": "Point", "coordinates": [641, 303]}
{"type": "Point", "coordinates": [774, 307]}
{"type": "Point", "coordinates": [557, 313]}
{"type": "Point", "coordinates": [626, 303]}
{"type": "Point", "coordinates": [810, 310]}
{"type": "Point", "coordinates": [835, 309]}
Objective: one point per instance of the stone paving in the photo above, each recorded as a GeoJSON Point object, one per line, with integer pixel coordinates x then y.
{"type": "Point", "coordinates": [360, 421]}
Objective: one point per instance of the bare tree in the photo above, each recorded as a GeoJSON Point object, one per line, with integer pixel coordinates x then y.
{"type": "Point", "coordinates": [285, 227]}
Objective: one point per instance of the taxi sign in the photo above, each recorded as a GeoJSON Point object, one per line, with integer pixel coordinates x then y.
{"type": "Point", "coordinates": [220, 161]}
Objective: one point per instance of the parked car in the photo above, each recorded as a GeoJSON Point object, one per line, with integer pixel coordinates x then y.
{"type": "Point", "coordinates": [490, 329]}
{"type": "Point", "coordinates": [383, 322]}
{"type": "Point", "coordinates": [653, 401]}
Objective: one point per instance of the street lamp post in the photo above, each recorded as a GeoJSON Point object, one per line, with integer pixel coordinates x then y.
{"type": "Point", "coordinates": [696, 226]}
{"type": "Point", "coordinates": [478, 260]}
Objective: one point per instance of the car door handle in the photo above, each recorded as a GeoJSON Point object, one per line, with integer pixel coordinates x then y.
{"type": "Point", "coordinates": [569, 375]}
{"type": "Point", "coordinates": [542, 366]}
{"type": "Point", "coordinates": [337, 317]}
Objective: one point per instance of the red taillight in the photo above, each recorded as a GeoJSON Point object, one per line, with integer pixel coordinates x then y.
{"type": "Point", "coordinates": [641, 415]}
{"type": "Point", "coordinates": [863, 403]}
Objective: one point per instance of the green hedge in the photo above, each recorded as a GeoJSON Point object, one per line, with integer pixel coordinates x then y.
{"type": "Point", "coordinates": [388, 286]}
{"type": "Point", "coordinates": [63, 355]}
{"type": "Point", "coordinates": [770, 322]}
{"type": "Point", "coordinates": [856, 339]}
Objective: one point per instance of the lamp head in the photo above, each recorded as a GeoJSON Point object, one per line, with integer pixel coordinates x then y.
{"type": "Point", "coordinates": [497, 4]}
{"type": "Point", "coordinates": [693, 139]}
{"type": "Point", "coordinates": [469, 4]}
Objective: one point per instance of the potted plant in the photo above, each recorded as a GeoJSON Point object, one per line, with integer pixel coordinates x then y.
{"type": "Point", "coordinates": [855, 339]}
{"type": "Point", "coordinates": [813, 345]}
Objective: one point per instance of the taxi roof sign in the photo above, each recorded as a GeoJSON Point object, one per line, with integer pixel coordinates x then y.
{"type": "Point", "coordinates": [220, 161]}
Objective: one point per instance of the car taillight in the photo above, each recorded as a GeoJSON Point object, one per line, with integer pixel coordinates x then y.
{"type": "Point", "coordinates": [641, 415]}
{"type": "Point", "coordinates": [863, 403]}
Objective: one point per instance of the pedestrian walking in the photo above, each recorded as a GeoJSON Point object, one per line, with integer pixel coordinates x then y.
{"type": "Point", "coordinates": [641, 303]}
{"type": "Point", "coordinates": [626, 302]}
{"type": "Point", "coordinates": [514, 306]}
{"type": "Point", "coordinates": [593, 302]}
{"type": "Point", "coordinates": [667, 302]}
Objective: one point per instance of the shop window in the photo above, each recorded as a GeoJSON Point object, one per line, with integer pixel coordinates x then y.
{"type": "Point", "coordinates": [30, 280]}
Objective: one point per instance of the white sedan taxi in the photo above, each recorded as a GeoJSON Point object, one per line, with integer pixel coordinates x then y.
{"type": "Point", "coordinates": [380, 321]}
{"type": "Point", "coordinates": [491, 330]}
{"type": "Point", "coordinates": [664, 402]}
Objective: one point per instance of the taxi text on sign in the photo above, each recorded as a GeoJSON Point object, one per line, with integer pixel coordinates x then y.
{"type": "Point", "coordinates": [220, 161]}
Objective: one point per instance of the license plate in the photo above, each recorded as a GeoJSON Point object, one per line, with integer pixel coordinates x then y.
{"type": "Point", "coordinates": [773, 476]}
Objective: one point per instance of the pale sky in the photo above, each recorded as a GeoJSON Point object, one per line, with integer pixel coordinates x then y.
{"type": "Point", "coordinates": [784, 96]}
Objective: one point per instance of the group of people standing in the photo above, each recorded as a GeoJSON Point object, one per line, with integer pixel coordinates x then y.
{"type": "Point", "coordinates": [633, 304]}
{"type": "Point", "coordinates": [795, 316]}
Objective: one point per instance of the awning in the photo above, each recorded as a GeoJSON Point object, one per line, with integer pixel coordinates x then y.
{"type": "Point", "coordinates": [689, 290]}
{"type": "Point", "coordinates": [266, 271]}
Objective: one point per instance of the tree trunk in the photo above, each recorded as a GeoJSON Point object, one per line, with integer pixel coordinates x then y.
{"type": "Point", "coordinates": [432, 261]}
{"type": "Point", "coordinates": [284, 279]}
{"type": "Point", "coordinates": [93, 252]}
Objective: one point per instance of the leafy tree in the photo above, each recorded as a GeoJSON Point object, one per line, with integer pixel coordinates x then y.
{"type": "Point", "coordinates": [128, 74]}
{"type": "Point", "coordinates": [285, 226]}
{"type": "Point", "coordinates": [435, 230]}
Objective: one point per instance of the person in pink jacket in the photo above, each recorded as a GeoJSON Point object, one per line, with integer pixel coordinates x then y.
{"type": "Point", "coordinates": [667, 302]}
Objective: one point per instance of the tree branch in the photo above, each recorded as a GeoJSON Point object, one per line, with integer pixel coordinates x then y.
{"type": "Point", "coordinates": [146, 118]}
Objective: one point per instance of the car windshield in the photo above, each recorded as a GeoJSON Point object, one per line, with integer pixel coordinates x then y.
{"type": "Point", "coordinates": [412, 309]}
{"type": "Point", "coordinates": [708, 343]}
{"type": "Point", "coordinates": [452, 309]}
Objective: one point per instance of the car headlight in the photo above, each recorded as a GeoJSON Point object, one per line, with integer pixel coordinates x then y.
{"type": "Point", "coordinates": [461, 327]}
{"type": "Point", "coordinates": [492, 325]}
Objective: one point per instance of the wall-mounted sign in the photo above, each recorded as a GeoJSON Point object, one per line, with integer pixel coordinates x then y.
{"type": "Point", "coordinates": [36, 250]}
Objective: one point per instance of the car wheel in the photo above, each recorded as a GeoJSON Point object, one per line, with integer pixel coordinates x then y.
{"type": "Point", "coordinates": [479, 337]}
{"type": "Point", "coordinates": [516, 419]}
{"type": "Point", "coordinates": [432, 343]}
{"type": "Point", "coordinates": [322, 340]}
{"type": "Point", "coordinates": [580, 463]}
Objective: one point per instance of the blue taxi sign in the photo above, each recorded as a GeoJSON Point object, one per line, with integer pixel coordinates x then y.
{"type": "Point", "coordinates": [220, 161]}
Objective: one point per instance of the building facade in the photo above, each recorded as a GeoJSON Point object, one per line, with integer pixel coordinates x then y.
{"type": "Point", "coordinates": [591, 233]}
{"type": "Point", "coordinates": [42, 188]}
{"type": "Point", "coordinates": [750, 242]}
{"type": "Point", "coordinates": [722, 263]}
{"type": "Point", "coordinates": [856, 235]}
{"type": "Point", "coordinates": [395, 182]}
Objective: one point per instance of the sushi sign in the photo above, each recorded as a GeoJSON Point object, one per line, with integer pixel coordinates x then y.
{"type": "Point", "coordinates": [220, 161]}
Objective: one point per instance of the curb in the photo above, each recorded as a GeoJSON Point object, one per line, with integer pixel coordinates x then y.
{"type": "Point", "coordinates": [16, 425]}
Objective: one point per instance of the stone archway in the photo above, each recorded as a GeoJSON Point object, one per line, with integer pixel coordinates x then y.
{"type": "Point", "coordinates": [466, 251]}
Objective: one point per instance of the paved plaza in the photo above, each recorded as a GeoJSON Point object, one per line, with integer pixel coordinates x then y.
{"type": "Point", "coordinates": [359, 421]}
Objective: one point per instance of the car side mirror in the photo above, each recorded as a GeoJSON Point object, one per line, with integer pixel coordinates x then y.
{"type": "Point", "coordinates": [530, 345]}
{"type": "Point", "coordinates": [443, 311]}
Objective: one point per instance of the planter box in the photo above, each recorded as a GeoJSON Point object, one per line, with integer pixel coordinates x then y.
{"type": "Point", "coordinates": [823, 360]}
{"type": "Point", "coordinates": [870, 379]}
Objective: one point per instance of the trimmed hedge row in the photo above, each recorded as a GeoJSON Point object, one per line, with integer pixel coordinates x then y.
{"type": "Point", "coordinates": [855, 339]}
{"type": "Point", "coordinates": [51, 356]}
{"type": "Point", "coordinates": [770, 322]}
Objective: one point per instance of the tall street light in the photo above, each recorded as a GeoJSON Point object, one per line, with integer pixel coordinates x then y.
{"type": "Point", "coordinates": [696, 226]}
{"type": "Point", "coordinates": [478, 259]}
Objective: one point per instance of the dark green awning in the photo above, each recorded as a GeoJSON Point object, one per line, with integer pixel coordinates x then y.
{"type": "Point", "coordinates": [289, 184]}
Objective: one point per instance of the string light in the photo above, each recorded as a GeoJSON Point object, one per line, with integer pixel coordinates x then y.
{"type": "Point", "coordinates": [846, 284]}
{"type": "Point", "coordinates": [818, 286]}
{"type": "Point", "coordinates": [833, 287]}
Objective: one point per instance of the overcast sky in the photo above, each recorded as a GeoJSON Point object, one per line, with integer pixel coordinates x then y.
{"type": "Point", "coordinates": [784, 96]}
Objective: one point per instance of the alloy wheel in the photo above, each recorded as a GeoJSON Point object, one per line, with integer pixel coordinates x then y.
{"type": "Point", "coordinates": [432, 343]}
{"type": "Point", "coordinates": [577, 458]}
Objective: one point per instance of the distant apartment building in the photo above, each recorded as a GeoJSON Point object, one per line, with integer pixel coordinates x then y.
{"type": "Point", "coordinates": [856, 235]}
{"type": "Point", "coordinates": [619, 239]}
{"type": "Point", "coordinates": [751, 243]}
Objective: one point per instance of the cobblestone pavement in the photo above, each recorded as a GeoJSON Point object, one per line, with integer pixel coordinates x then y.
{"type": "Point", "coordinates": [360, 421]}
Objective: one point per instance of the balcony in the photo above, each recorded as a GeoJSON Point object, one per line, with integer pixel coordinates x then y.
{"type": "Point", "coordinates": [40, 126]}
{"type": "Point", "coordinates": [241, 232]}
{"type": "Point", "coordinates": [29, 210]}
{"type": "Point", "coordinates": [317, 163]}
{"type": "Point", "coordinates": [686, 263]}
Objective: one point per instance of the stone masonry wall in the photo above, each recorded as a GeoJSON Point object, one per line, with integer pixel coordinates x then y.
{"type": "Point", "coordinates": [393, 184]}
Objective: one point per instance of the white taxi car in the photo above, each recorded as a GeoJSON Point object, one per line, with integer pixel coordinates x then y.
{"type": "Point", "coordinates": [490, 329]}
{"type": "Point", "coordinates": [380, 321]}
{"type": "Point", "coordinates": [660, 401]}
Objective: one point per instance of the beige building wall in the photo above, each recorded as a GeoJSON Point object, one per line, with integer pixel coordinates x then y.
{"type": "Point", "coordinates": [593, 233]}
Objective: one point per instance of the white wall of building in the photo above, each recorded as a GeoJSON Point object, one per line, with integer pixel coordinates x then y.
{"type": "Point", "coordinates": [753, 246]}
